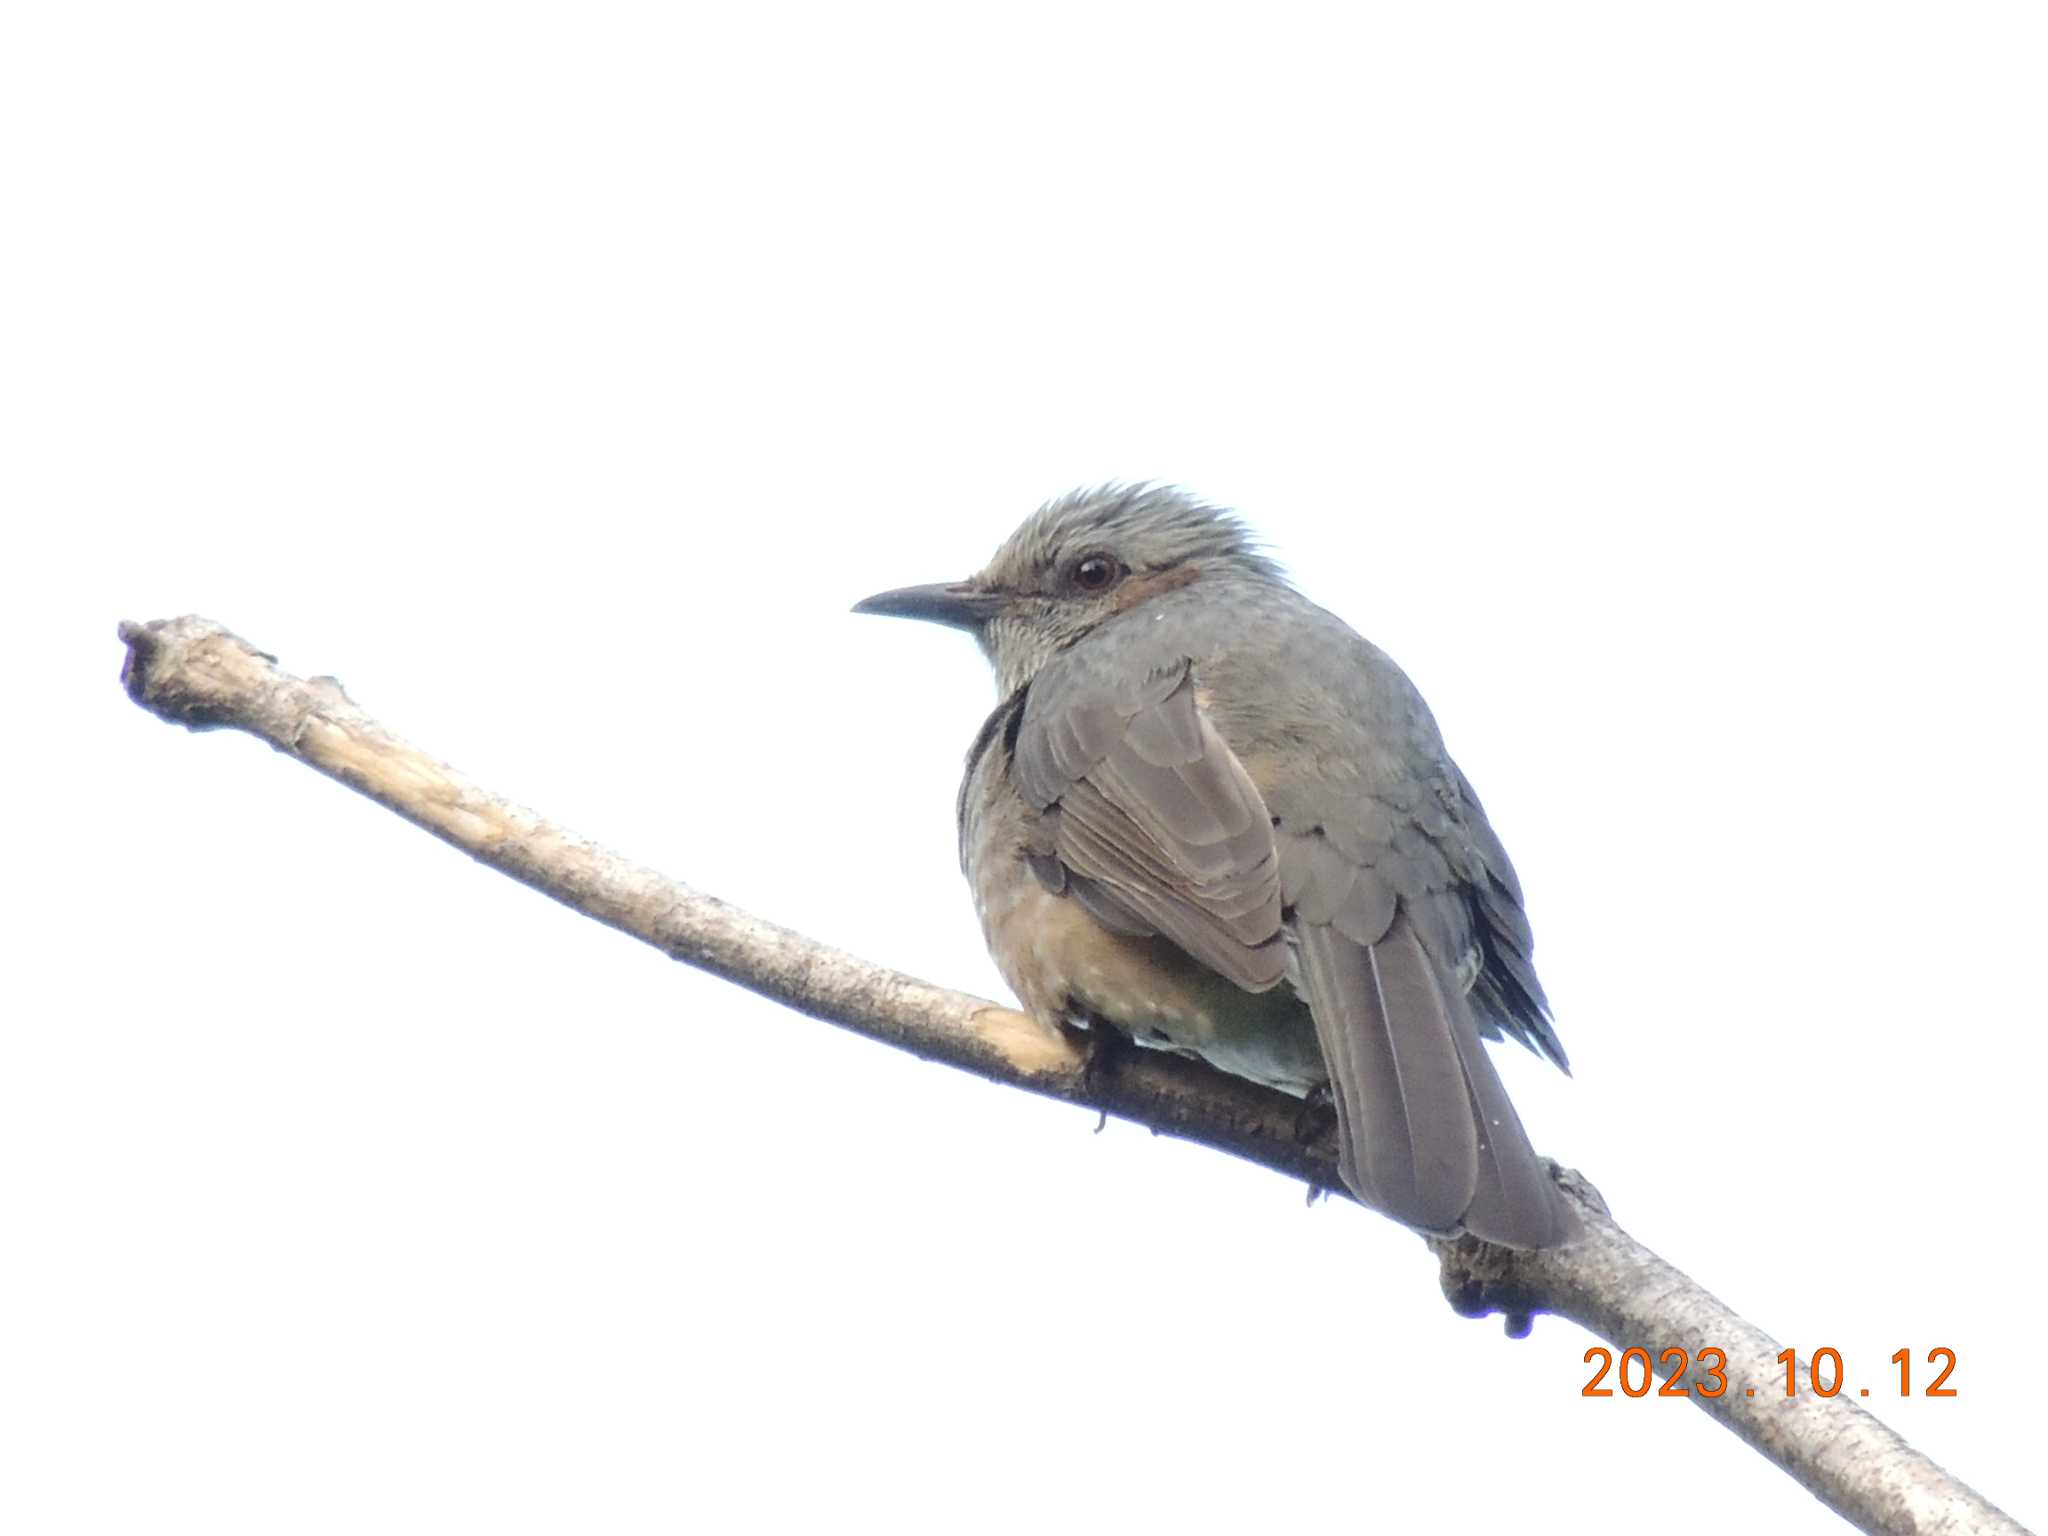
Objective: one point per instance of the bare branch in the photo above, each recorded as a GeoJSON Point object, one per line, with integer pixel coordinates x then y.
{"type": "Point", "coordinates": [192, 672]}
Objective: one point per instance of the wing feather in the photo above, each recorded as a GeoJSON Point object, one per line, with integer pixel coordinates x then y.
{"type": "Point", "coordinates": [1145, 802]}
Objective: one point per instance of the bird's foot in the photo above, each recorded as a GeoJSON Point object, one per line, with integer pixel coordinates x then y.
{"type": "Point", "coordinates": [1316, 1119]}
{"type": "Point", "coordinates": [1314, 1123]}
{"type": "Point", "coordinates": [1107, 1046]}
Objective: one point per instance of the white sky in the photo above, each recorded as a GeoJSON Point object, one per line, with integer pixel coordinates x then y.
{"type": "Point", "coordinates": [1665, 391]}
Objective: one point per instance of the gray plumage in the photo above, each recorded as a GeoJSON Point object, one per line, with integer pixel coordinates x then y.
{"type": "Point", "coordinates": [1209, 815]}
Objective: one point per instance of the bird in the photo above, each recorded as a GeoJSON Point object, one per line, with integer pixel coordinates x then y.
{"type": "Point", "coordinates": [1209, 817]}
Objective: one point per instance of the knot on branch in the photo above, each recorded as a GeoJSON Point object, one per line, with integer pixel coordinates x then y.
{"type": "Point", "coordinates": [1480, 1278]}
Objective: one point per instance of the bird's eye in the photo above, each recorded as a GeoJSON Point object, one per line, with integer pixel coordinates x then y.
{"type": "Point", "coordinates": [1097, 573]}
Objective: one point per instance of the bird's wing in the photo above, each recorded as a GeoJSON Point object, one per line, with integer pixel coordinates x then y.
{"type": "Point", "coordinates": [1425, 1130]}
{"type": "Point", "coordinates": [1147, 816]}
{"type": "Point", "coordinates": [1508, 996]}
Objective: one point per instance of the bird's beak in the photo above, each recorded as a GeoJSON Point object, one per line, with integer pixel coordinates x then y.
{"type": "Point", "coordinates": [961, 604]}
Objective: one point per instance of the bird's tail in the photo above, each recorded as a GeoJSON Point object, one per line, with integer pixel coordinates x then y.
{"type": "Point", "coordinates": [1425, 1131]}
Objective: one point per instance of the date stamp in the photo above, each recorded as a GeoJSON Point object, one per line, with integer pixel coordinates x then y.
{"type": "Point", "coordinates": [1706, 1374]}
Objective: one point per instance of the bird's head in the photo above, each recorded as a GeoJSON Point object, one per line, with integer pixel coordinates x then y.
{"type": "Point", "coordinates": [1075, 563]}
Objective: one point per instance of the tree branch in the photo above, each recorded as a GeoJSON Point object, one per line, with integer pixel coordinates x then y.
{"type": "Point", "coordinates": [192, 672]}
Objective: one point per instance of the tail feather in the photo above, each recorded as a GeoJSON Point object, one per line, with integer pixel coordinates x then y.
{"type": "Point", "coordinates": [1406, 1137]}
{"type": "Point", "coordinates": [1514, 1202]}
{"type": "Point", "coordinates": [1424, 1128]}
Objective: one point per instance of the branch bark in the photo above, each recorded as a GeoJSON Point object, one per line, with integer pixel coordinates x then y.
{"type": "Point", "coordinates": [193, 672]}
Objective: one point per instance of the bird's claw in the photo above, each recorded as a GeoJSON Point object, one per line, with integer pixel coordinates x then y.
{"type": "Point", "coordinates": [1317, 1116]}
